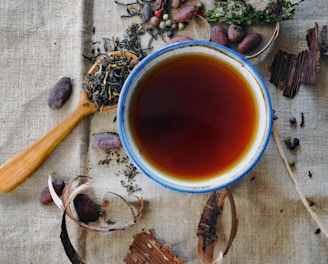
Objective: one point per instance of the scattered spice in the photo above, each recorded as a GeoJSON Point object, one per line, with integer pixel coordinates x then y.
{"type": "Point", "coordinates": [146, 249]}
{"type": "Point", "coordinates": [317, 231]}
{"type": "Point", "coordinates": [60, 93]}
{"type": "Point", "coordinates": [291, 162]}
{"type": "Point", "coordinates": [291, 145]}
{"type": "Point", "coordinates": [302, 120]}
{"type": "Point", "coordinates": [130, 173]}
{"type": "Point", "coordinates": [297, 185]}
{"type": "Point", "coordinates": [45, 196]}
{"type": "Point", "coordinates": [292, 120]}
{"type": "Point", "coordinates": [310, 174]}
{"type": "Point", "coordinates": [288, 71]}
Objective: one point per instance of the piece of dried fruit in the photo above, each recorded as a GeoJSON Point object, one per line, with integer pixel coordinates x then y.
{"type": "Point", "coordinates": [45, 197]}
{"type": "Point", "coordinates": [60, 93]}
{"type": "Point", "coordinates": [106, 140]}
{"type": "Point", "coordinates": [236, 33]}
{"type": "Point", "coordinates": [86, 209]}
{"type": "Point", "coordinates": [219, 35]}
{"type": "Point", "coordinates": [249, 43]}
{"type": "Point", "coordinates": [185, 14]}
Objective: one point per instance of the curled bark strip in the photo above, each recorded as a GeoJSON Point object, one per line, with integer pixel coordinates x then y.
{"type": "Point", "coordinates": [206, 232]}
{"type": "Point", "coordinates": [68, 197]}
{"type": "Point", "coordinates": [71, 253]}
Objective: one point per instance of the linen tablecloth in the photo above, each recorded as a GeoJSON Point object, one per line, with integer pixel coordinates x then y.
{"type": "Point", "coordinates": [43, 41]}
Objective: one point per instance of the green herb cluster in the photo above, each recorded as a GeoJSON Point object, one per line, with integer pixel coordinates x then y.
{"type": "Point", "coordinates": [239, 12]}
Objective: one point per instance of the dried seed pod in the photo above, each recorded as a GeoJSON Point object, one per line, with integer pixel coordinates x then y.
{"type": "Point", "coordinates": [219, 35]}
{"type": "Point", "coordinates": [178, 39]}
{"type": "Point", "coordinates": [86, 209]}
{"type": "Point", "coordinates": [45, 196]}
{"type": "Point", "coordinates": [249, 43]}
{"type": "Point", "coordinates": [106, 140]}
{"type": "Point", "coordinates": [236, 33]}
{"type": "Point", "coordinates": [60, 93]}
{"type": "Point", "coordinates": [185, 14]}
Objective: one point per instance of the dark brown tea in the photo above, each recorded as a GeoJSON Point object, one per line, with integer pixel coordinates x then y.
{"type": "Point", "coordinates": [193, 117]}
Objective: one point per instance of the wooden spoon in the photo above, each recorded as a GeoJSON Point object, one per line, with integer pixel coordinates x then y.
{"type": "Point", "coordinates": [23, 164]}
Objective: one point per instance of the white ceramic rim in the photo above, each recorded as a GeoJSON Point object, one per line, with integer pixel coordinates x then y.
{"type": "Point", "coordinates": [260, 92]}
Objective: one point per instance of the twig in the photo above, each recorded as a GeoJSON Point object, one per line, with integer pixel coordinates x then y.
{"type": "Point", "coordinates": [297, 185]}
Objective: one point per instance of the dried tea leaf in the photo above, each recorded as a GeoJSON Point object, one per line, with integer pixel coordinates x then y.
{"type": "Point", "coordinates": [146, 249]}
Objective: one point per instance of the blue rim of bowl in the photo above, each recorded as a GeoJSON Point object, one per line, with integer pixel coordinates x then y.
{"type": "Point", "coordinates": [153, 55]}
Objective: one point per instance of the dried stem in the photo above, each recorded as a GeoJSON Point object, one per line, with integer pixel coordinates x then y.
{"type": "Point", "coordinates": [297, 185]}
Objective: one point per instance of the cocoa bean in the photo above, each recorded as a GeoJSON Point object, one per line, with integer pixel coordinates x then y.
{"type": "Point", "coordinates": [219, 35]}
{"type": "Point", "coordinates": [185, 14]}
{"type": "Point", "coordinates": [249, 43]}
{"type": "Point", "coordinates": [86, 209]}
{"type": "Point", "coordinates": [60, 93]}
{"type": "Point", "coordinates": [178, 39]}
{"type": "Point", "coordinates": [236, 33]}
{"type": "Point", "coordinates": [45, 196]}
{"type": "Point", "coordinates": [106, 140]}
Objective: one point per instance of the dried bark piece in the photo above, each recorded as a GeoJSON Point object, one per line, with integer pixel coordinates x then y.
{"type": "Point", "coordinates": [206, 232]}
{"type": "Point", "coordinates": [323, 38]}
{"type": "Point", "coordinates": [146, 249]}
{"type": "Point", "coordinates": [288, 71]}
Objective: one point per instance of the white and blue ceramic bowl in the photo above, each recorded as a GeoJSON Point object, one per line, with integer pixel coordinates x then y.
{"type": "Point", "coordinates": [259, 91]}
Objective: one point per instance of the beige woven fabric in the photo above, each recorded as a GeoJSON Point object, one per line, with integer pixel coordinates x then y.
{"type": "Point", "coordinates": [43, 41]}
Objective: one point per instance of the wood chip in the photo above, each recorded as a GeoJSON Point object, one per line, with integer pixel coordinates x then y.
{"type": "Point", "coordinates": [288, 71]}
{"type": "Point", "coordinates": [146, 249]}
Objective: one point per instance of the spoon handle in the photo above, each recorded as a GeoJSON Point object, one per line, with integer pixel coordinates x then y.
{"type": "Point", "coordinates": [24, 163]}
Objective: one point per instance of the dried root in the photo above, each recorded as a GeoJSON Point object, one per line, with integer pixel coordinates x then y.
{"type": "Point", "coordinates": [206, 232]}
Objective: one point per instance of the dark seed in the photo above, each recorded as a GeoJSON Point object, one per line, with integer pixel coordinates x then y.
{"type": "Point", "coordinates": [86, 209]}
{"type": "Point", "coordinates": [317, 231]}
{"type": "Point", "coordinates": [292, 120]}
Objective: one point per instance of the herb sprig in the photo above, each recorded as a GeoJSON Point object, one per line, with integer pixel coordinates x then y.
{"type": "Point", "coordinates": [241, 12]}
